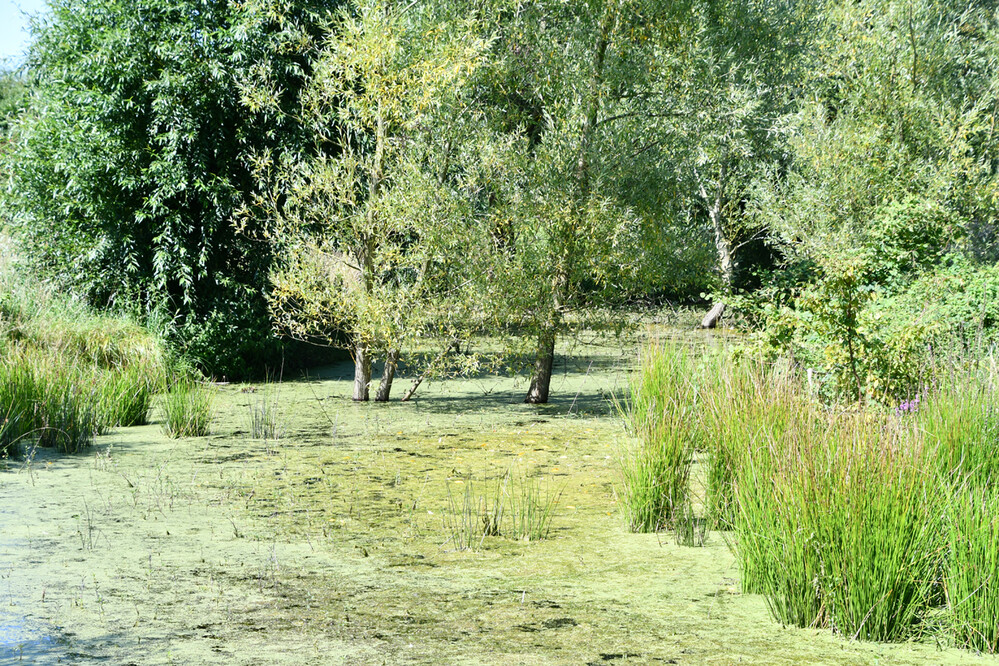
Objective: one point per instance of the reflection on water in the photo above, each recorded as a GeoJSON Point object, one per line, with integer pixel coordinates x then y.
{"type": "Point", "coordinates": [20, 639]}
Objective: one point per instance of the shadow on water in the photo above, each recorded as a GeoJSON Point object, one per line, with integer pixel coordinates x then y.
{"type": "Point", "coordinates": [21, 641]}
{"type": "Point", "coordinates": [580, 385]}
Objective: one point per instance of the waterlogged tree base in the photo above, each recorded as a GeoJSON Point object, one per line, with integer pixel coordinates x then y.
{"type": "Point", "coordinates": [328, 547]}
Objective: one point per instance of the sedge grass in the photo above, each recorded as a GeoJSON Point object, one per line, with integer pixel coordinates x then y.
{"type": "Point", "coordinates": [187, 407]}
{"type": "Point", "coordinates": [972, 570]}
{"type": "Point", "coordinates": [878, 520]}
{"type": "Point", "coordinates": [662, 416]}
{"type": "Point", "coordinates": [516, 506]}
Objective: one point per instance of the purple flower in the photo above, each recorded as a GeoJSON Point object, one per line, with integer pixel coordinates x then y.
{"type": "Point", "coordinates": [908, 406]}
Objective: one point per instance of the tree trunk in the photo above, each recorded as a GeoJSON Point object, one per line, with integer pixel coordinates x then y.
{"type": "Point", "coordinates": [542, 377]}
{"type": "Point", "coordinates": [726, 263]}
{"type": "Point", "coordinates": [362, 372]}
{"type": "Point", "coordinates": [365, 265]}
{"type": "Point", "coordinates": [388, 374]}
{"type": "Point", "coordinates": [713, 316]}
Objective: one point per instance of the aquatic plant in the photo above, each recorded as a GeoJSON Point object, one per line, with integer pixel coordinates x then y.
{"type": "Point", "coordinates": [472, 517]}
{"type": "Point", "coordinates": [187, 407]}
{"type": "Point", "coordinates": [531, 506]}
{"type": "Point", "coordinates": [517, 506]}
{"type": "Point", "coordinates": [662, 416]}
{"type": "Point", "coordinates": [124, 396]}
{"type": "Point", "coordinates": [972, 571]}
{"type": "Point", "coordinates": [264, 414]}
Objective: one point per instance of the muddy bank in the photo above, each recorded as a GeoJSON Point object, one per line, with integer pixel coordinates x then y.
{"type": "Point", "coordinates": [330, 545]}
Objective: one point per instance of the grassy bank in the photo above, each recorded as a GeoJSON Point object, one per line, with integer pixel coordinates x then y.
{"type": "Point", "coordinates": [68, 374]}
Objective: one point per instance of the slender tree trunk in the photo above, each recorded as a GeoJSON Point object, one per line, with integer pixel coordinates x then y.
{"type": "Point", "coordinates": [388, 374]}
{"type": "Point", "coordinates": [362, 372]}
{"type": "Point", "coordinates": [541, 380]}
{"type": "Point", "coordinates": [726, 263]}
{"type": "Point", "coordinates": [365, 266]}
{"type": "Point", "coordinates": [542, 376]}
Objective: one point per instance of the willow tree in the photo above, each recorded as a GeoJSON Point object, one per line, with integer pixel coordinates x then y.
{"type": "Point", "coordinates": [893, 145]}
{"type": "Point", "coordinates": [370, 227]}
{"type": "Point", "coordinates": [565, 240]}
{"type": "Point", "coordinates": [712, 128]}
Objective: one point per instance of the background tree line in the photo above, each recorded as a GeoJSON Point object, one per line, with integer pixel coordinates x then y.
{"type": "Point", "coordinates": [397, 176]}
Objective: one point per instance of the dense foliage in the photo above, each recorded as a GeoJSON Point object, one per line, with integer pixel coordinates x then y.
{"type": "Point", "coordinates": [383, 175]}
{"type": "Point", "coordinates": [130, 168]}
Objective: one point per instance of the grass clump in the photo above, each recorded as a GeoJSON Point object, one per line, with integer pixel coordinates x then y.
{"type": "Point", "coordinates": [68, 373]}
{"type": "Point", "coordinates": [661, 413]}
{"type": "Point", "coordinates": [45, 401]}
{"type": "Point", "coordinates": [125, 397]}
{"type": "Point", "coordinates": [516, 506]}
{"type": "Point", "coordinates": [531, 507]}
{"type": "Point", "coordinates": [836, 515]}
{"type": "Point", "coordinates": [264, 415]}
{"type": "Point", "coordinates": [187, 407]}
{"type": "Point", "coordinates": [878, 523]}
{"type": "Point", "coordinates": [972, 572]}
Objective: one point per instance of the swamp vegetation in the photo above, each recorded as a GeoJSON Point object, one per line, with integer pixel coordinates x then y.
{"type": "Point", "coordinates": [522, 210]}
{"type": "Point", "coordinates": [330, 543]}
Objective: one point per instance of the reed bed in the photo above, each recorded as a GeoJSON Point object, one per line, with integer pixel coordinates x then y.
{"type": "Point", "coordinates": [849, 517]}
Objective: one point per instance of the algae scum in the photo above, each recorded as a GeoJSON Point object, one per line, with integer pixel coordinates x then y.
{"type": "Point", "coordinates": [336, 542]}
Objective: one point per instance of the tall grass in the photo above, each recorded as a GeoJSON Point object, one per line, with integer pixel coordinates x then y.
{"type": "Point", "coordinates": [662, 416]}
{"type": "Point", "coordinates": [839, 516]}
{"type": "Point", "coordinates": [839, 523]}
{"type": "Point", "coordinates": [188, 408]}
{"type": "Point", "coordinates": [960, 416]}
{"type": "Point", "coordinates": [45, 402]}
{"type": "Point", "coordinates": [746, 403]}
{"type": "Point", "coordinates": [972, 573]}
{"type": "Point", "coordinates": [68, 373]}
{"type": "Point", "coordinates": [125, 396]}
